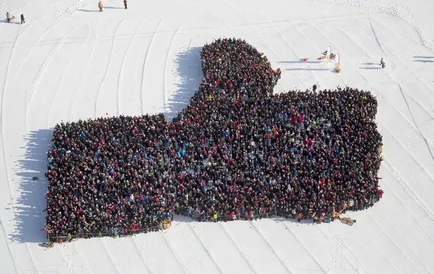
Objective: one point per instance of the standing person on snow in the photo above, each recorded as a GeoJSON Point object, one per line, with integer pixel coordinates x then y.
{"type": "Point", "coordinates": [383, 65]}
{"type": "Point", "coordinates": [23, 20]}
{"type": "Point", "coordinates": [8, 17]}
{"type": "Point", "coordinates": [125, 3]}
{"type": "Point", "coordinates": [100, 6]}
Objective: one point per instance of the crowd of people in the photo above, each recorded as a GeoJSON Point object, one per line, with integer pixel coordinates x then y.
{"type": "Point", "coordinates": [237, 151]}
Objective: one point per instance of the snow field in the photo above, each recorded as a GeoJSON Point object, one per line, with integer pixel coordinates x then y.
{"type": "Point", "coordinates": [71, 62]}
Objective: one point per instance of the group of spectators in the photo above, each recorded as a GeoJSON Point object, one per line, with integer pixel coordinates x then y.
{"type": "Point", "coordinates": [237, 151]}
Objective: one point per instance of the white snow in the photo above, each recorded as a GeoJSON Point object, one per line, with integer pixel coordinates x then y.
{"type": "Point", "coordinates": [71, 62]}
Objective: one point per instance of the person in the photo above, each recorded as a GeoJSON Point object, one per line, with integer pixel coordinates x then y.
{"type": "Point", "coordinates": [100, 6]}
{"type": "Point", "coordinates": [23, 20]}
{"type": "Point", "coordinates": [8, 17]}
{"type": "Point", "coordinates": [278, 73]}
{"type": "Point", "coordinates": [125, 3]}
{"type": "Point", "coordinates": [314, 88]}
{"type": "Point", "coordinates": [382, 63]}
{"type": "Point", "coordinates": [324, 55]}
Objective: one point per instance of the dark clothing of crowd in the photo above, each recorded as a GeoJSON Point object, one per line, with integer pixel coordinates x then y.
{"type": "Point", "coordinates": [237, 151]}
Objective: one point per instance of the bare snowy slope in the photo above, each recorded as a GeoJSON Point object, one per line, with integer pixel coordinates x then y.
{"type": "Point", "coordinates": [71, 62]}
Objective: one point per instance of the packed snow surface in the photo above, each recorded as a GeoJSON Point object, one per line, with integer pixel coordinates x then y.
{"type": "Point", "coordinates": [71, 62]}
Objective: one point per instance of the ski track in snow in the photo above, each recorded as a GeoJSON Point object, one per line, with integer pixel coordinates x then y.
{"type": "Point", "coordinates": [405, 118]}
{"type": "Point", "coordinates": [344, 245]}
{"type": "Point", "coordinates": [64, 74]}
{"type": "Point", "coordinates": [270, 246]}
{"type": "Point", "coordinates": [414, 122]}
{"type": "Point", "coordinates": [123, 65]}
{"type": "Point", "coordinates": [77, 251]}
{"type": "Point", "coordinates": [34, 44]}
{"type": "Point", "coordinates": [176, 256]}
{"type": "Point", "coordinates": [142, 257]}
{"type": "Point", "coordinates": [429, 230]}
{"type": "Point", "coordinates": [239, 248]}
{"type": "Point", "coordinates": [144, 65]}
{"type": "Point", "coordinates": [67, 261]}
{"type": "Point", "coordinates": [104, 244]}
{"type": "Point", "coordinates": [108, 67]}
{"type": "Point", "coordinates": [393, 241]}
{"type": "Point", "coordinates": [72, 104]}
{"type": "Point", "coordinates": [205, 249]}
{"type": "Point", "coordinates": [32, 257]}
{"type": "Point", "coordinates": [42, 70]}
{"type": "Point", "coordinates": [8, 247]}
{"type": "Point", "coordinates": [417, 198]}
{"type": "Point", "coordinates": [376, 37]}
{"type": "Point", "coordinates": [318, 264]}
{"type": "Point", "coordinates": [2, 126]}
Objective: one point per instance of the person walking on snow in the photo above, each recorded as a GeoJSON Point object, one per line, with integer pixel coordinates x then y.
{"type": "Point", "coordinates": [125, 3]}
{"type": "Point", "coordinates": [8, 17]}
{"type": "Point", "coordinates": [383, 65]}
{"type": "Point", "coordinates": [23, 20]}
{"type": "Point", "coordinates": [100, 6]}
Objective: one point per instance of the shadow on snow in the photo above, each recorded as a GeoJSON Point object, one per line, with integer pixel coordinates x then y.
{"type": "Point", "coordinates": [313, 69]}
{"type": "Point", "coordinates": [83, 10]}
{"type": "Point", "coordinates": [424, 61]}
{"type": "Point", "coordinates": [97, 10]}
{"type": "Point", "coordinates": [299, 62]}
{"type": "Point", "coordinates": [11, 22]}
{"type": "Point", "coordinates": [188, 66]}
{"type": "Point", "coordinates": [32, 185]}
{"type": "Point", "coordinates": [372, 68]}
